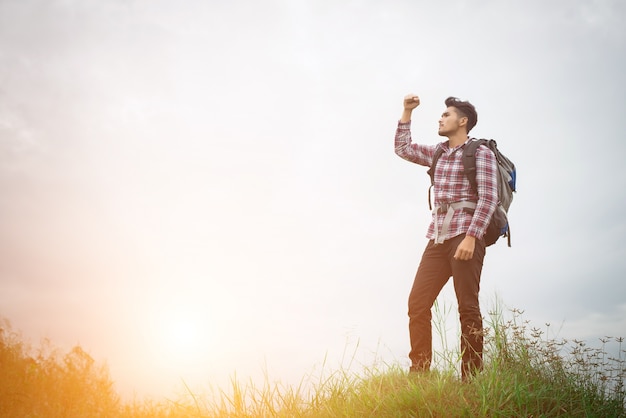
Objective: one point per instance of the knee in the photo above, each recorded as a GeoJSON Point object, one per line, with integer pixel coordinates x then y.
{"type": "Point", "coordinates": [419, 308]}
{"type": "Point", "coordinates": [470, 315]}
{"type": "Point", "coordinates": [469, 309]}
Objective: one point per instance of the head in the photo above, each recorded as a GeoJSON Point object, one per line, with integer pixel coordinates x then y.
{"type": "Point", "coordinates": [459, 115]}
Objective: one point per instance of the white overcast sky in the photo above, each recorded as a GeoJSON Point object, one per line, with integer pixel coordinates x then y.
{"type": "Point", "coordinates": [222, 173]}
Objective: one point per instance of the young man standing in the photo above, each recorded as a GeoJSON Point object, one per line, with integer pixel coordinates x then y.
{"type": "Point", "coordinates": [460, 217]}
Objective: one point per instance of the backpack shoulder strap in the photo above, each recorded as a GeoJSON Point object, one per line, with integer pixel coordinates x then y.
{"type": "Point", "coordinates": [431, 170]}
{"type": "Point", "coordinates": [469, 160]}
{"type": "Point", "coordinates": [431, 173]}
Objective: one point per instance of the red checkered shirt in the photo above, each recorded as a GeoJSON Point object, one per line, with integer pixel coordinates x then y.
{"type": "Point", "coordinates": [452, 185]}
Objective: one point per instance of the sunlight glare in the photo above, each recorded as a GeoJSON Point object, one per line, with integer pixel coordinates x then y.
{"type": "Point", "coordinates": [181, 334]}
{"type": "Point", "coordinates": [182, 338]}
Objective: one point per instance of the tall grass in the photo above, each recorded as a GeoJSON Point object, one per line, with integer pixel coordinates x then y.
{"type": "Point", "coordinates": [526, 374]}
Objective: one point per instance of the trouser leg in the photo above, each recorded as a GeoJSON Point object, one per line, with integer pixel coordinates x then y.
{"type": "Point", "coordinates": [432, 274]}
{"type": "Point", "coordinates": [466, 277]}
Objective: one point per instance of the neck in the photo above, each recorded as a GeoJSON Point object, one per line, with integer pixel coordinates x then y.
{"type": "Point", "coordinates": [457, 139]}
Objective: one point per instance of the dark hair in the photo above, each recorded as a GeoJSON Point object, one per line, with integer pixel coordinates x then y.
{"type": "Point", "coordinates": [465, 109]}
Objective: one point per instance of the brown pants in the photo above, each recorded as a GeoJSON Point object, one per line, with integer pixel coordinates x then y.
{"type": "Point", "coordinates": [435, 269]}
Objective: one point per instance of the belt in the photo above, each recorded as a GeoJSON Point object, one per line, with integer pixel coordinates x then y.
{"type": "Point", "coordinates": [448, 209]}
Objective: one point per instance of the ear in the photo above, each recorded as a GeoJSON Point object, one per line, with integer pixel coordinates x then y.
{"type": "Point", "coordinates": [463, 121]}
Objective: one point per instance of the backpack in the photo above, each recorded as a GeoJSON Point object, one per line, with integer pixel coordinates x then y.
{"type": "Point", "coordinates": [499, 224]}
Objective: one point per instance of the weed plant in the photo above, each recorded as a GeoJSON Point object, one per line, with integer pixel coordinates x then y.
{"type": "Point", "coordinates": [526, 375]}
{"type": "Point", "coordinates": [45, 383]}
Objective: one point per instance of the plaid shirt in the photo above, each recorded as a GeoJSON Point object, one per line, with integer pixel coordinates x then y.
{"type": "Point", "coordinates": [451, 184]}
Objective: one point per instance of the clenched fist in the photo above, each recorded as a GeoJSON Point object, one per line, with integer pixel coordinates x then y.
{"type": "Point", "coordinates": [411, 101]}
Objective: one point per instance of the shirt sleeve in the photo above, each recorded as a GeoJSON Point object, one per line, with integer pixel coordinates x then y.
{"type": "Point", "coordinates": [487, 183]}
{"type": "Point", "coordinates": [415, 153]}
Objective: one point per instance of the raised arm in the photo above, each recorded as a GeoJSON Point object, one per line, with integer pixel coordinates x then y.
{"type": "Point", "coordinates": [404, 147]}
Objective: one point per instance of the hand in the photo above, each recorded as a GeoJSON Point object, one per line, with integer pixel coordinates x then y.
{"type": "Point", "coordinates": [411, 101]}
{"type": "Point", "coordinates": [465, 250]}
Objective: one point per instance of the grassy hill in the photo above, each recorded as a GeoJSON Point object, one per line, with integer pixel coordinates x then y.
{"type": "Point", "coordinates": [525, 375]}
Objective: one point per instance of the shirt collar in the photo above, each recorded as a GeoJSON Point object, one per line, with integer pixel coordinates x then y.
{"type": "Point", "coordinates": [446, 144]}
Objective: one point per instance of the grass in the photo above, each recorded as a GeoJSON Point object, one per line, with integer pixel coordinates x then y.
{"type": "Point", "coordinates": [526, 375]}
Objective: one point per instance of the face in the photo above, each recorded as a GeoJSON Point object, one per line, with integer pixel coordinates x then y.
{"type": "Point", "coordinates": [450, 122]}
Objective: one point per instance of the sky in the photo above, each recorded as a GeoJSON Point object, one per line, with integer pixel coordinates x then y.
{"type": "Point", "coordinates": [195, 189]}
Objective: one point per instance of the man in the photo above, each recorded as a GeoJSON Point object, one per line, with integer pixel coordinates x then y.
{"type": "Point", "coordinates": [456, 247]}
